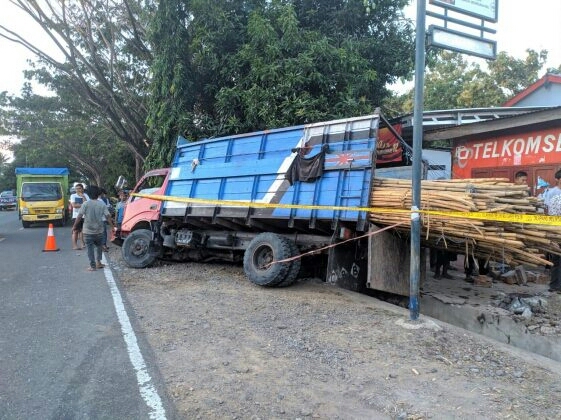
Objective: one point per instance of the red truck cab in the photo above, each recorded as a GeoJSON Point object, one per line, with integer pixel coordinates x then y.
{"type": "Point", "coordinates": [140, 212]}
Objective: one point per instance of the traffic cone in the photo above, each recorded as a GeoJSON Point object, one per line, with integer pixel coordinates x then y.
{"type": "Point", "coordinates": [50, 243]}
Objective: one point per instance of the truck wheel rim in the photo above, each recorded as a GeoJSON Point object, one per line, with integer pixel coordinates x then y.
{"type": "Point", "coordinates": [263, 257]}
{"type": "Point", "coordinates": [139, 247]}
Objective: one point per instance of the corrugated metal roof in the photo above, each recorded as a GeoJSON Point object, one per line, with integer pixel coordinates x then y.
{"type": "Point", "coordinates": [542, 115]}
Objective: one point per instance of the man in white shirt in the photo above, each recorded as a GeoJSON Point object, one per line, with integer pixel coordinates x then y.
{"type": "Point", "coordinates": [552, 192]}
{"type": "Point", "coordinates": [76, 201]}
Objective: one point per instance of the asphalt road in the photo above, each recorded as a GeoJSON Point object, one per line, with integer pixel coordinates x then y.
{"type": "Point", "coordinates": [67, 344]}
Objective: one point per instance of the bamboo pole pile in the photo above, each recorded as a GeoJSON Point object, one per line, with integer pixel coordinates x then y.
{"type": "Point", "coordinates": [506, 242]}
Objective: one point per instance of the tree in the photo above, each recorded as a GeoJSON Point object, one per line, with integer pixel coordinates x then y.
{"type": "Point", "coordinates": [453, 82]}
{"type": "Point", "coordinates": [171, 97]}
{"type": "Point", "coordinates": [263, 64]}
{"type": "Point", "coordinates": [105, 59]}
{"type": "Point", "coordinates": [57, 135]}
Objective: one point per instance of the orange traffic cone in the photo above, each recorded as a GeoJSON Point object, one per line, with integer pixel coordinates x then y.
{"type": "Point", "coordinates": [50, 243]}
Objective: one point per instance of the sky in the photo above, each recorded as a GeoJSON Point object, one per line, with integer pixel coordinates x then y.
{"type": "Point", "coordinates": [521, 25]}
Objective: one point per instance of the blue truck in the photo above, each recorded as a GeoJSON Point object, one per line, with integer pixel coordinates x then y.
{"type": "Point", "coordinates": [269, 196]}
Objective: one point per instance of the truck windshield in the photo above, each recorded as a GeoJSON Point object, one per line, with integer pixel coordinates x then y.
{"type": "Point", "coordinates": [151, 184]}
{"type": "Point", "coordinates": [44, 191]}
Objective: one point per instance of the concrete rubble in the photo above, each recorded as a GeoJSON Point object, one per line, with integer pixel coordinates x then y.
{"type": "Point", "coordinates": [521, 313]}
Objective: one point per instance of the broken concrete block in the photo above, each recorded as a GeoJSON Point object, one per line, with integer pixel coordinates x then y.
{"type": "Point", "coordinates": [509, 277]}
{"type": "Point", "coordinates": [483, 281]}
{"type": "Point", "coordinates": [521, 277]}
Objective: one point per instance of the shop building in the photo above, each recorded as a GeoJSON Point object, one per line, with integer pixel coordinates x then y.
{"type": "Point", "coordinates": [499, 148]}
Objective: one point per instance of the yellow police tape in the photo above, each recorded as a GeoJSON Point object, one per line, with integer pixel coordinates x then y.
{"type": "Point", "coordinates": [534, 219]}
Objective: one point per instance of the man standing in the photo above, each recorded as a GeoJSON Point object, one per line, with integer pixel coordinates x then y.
{"type": "Point", "coordinates": [76, 201]}
{"type": "Point", "coordinates": [92, 212]}
{"type": "Point", "coordinates": [552, 192]}
{"type": "Point", "coordinates": [103, 198]}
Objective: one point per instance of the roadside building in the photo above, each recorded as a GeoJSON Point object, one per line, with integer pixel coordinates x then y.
{"type": "Point", "coordinates": [529, 142]}
{"type": "Point", "coordinates": [544, 92]}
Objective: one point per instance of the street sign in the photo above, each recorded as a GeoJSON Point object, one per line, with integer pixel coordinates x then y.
{"type": "Point", "coordinates": [483, 9]}
{"type": "Point", "coordinates": [461, 42]}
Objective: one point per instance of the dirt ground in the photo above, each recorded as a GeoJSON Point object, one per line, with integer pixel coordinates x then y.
{"type": "Point", "coordinates": [230, 350]}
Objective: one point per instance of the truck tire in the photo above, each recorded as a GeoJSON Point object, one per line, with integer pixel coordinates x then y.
{"type": "Point", "coordinates": [136, 249]}
{"type": "Point", "coordinates": [294, 269]}
{"type": "Point", "coordinates": [262, 251]}
{"type": "Point", "coordinates": [25, 224]}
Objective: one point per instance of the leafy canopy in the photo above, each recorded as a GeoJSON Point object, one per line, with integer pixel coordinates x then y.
{"type": "Point", "coordinates": [452, 82]}
{"type": "Point", "coordinates": [225, 67]}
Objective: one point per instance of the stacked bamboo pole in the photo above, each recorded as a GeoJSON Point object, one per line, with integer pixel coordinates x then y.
{"type": "Point", "coordinates": [509, 243]}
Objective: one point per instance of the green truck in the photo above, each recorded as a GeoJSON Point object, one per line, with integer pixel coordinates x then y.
{"type": "Point", "coordinates": [42, 195]}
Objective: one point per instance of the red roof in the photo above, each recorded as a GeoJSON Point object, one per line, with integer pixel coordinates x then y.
{"type": "Point", "coordinates": [548, 78]}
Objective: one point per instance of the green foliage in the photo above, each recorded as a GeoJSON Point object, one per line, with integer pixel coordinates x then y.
{"type": "Point", "coordinates": [171, 99]}
{"type": "Point", "coordinates": [105, 62]}
{"type": "Point", "coordinates": [58, 133]}
{"type": "Point", "coordinates": [225, 67]}
{"type": "Point", "coordinates": [453, 82]}
{"type": "Point", "coordinates": [293, 76]}
{"type": "Point", "coordinates": [211, 68]}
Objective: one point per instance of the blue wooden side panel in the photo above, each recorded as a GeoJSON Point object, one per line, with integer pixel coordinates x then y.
{"type": "Point", "coordinates": [252, 167]}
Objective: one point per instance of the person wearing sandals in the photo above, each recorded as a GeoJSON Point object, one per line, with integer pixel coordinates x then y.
{"type": "Point", "coordinates": [92, 213]}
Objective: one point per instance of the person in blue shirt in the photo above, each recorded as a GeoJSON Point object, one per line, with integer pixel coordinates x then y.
{"type": "Point", "coordinates": [120, 208]}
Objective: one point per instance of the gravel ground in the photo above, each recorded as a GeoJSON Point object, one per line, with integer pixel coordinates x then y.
{"type": "Point", "coordinates": [230, 350]}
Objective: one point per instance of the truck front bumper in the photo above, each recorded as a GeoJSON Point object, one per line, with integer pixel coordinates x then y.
{"type": "Point", "coordinates": [41, 217]}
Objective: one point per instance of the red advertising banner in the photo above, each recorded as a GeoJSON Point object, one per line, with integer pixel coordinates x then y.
{"type": "Point", "coordinates": [389, 148]}
{"type": "Point", "coordinates": [529, 148]}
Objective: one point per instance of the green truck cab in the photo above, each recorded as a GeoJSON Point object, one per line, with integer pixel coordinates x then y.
{"type": "Point", "coordinates": [42, 195]}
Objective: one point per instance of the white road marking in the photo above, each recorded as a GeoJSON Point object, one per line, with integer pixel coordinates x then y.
{"type": "Point", "coordinates": [146, 388]}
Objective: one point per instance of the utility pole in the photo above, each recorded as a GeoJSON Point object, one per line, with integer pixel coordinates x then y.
{"type": "Point", "coordinates": [415, 272]}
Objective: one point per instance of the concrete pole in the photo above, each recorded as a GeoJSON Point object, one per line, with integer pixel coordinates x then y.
{"type": "Point", "coordinates": [414, 272]}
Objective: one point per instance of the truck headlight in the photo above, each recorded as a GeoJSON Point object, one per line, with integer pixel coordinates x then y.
{"type": "Point", "coordinates": [24, 210]}
{"type": "Point", "coordinates": [58, 211]}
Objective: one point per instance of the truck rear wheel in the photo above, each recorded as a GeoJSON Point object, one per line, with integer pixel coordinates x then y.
{"type": "Point", "coordinates": [136, 249]}
{"type": "Point", "coordinates": [259, 258]}
{"type": "Point", "coordinates": [295, 265]}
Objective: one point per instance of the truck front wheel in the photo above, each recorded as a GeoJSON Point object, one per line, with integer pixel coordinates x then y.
{"type": "Point", "coordinates": [259, 261]}
{"type": "Point", "coordinates": [136, 249]}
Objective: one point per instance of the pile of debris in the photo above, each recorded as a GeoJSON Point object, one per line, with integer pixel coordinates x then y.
{"type": "Point", "coordinates": [524, 306]}
{"type": "Point", "coordinates": [539, 314]}
{"type": "Point", "coordinates": [511, 243]}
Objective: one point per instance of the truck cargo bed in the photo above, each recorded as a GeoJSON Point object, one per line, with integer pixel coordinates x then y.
{"type": "Point", "coordinates": [258, 167]}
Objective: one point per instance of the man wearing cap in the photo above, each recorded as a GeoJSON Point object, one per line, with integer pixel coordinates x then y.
{"type": "Point", "coordinates": [542, 187]}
